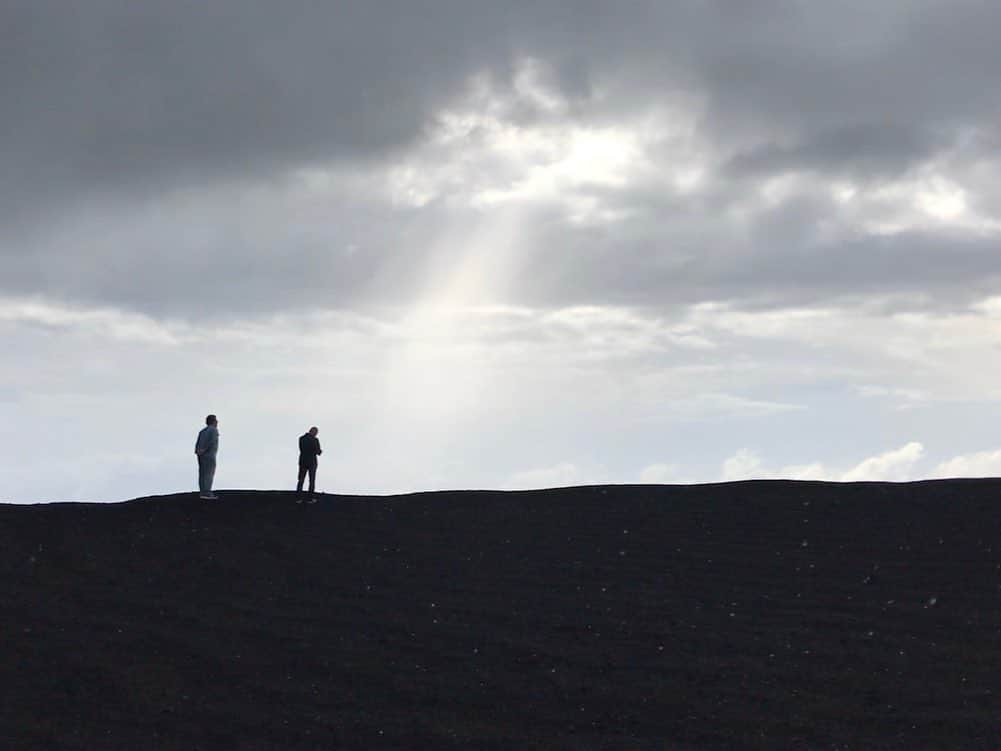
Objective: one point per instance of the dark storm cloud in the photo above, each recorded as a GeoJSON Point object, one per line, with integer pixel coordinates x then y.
{"type": "Point", "coordinates": [108, 105]}
{"type": "Point", "coordinates": [112, 90]}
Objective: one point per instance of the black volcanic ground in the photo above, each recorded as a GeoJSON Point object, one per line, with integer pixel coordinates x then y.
{"type": "Point", "coordinates": [757, 615]}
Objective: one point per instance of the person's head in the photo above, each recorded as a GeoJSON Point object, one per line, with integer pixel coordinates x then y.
{"type": "Point", "coordinates": [313, 431]}
{"type": "Point", "coordinates": [211, 420]}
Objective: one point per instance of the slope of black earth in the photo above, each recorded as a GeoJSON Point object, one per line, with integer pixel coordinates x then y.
{"type": "Point", "coordinates": [755, 615]}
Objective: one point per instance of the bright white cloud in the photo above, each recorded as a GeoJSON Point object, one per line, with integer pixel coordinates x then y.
{"type": "Point", "coordinates": [897, 465]}
{"type": "Point", "coordinates": [893, 466]}
{"type": "Point", "coordinates": [483, 153]}
{"type": "Point", "coordinates": [815, 471]}
{"type": "Point", "coordinates": [558, 475]}
{"type": "Point", "coordinates": [661, 474]}
{"type": "Point", "coordinates": [744, 465]}
{"type": "Point", "coordinates": [978, 464]}
{"type": "Point", "coordinates": [932, 199]}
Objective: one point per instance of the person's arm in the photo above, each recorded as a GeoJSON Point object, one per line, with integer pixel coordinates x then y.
{"type": "Point", "coordinates": [214, 442]}
{"type": "Point", "coordinates": [199, 448]}
{"type": "Point", "coordinates": [318, 449]}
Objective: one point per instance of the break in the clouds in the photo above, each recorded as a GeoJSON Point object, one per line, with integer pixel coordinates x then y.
{"type": "Point", "coordinates": [500, 243]}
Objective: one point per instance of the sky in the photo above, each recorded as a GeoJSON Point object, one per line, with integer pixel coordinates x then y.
{"type": "Point", "coordinates": [501, 244]}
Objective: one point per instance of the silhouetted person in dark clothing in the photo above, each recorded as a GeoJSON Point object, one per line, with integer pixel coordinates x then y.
{"type": "Point", "coordinates": [309, 449]}
{"type": "Point", "coordinates": [206, 448]}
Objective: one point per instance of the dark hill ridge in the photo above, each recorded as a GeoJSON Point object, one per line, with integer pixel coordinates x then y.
{"type": "Point", "coordinates": [755, 615]}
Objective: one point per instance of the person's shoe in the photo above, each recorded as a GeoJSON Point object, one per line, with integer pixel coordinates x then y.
{"type": "Point", "coordinates": [211, 497]}
{"type": "Point", "coordinates": [205, 497]}
{"type": "Point", "coordinates": [311, 499]}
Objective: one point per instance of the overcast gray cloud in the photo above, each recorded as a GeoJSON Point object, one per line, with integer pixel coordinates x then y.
{"type": "Point", "coordinates": [113, 91]}
{"type": "Point", "coordinates": [661, 211]}
{"type": "Point", "coordinates": [147, 150]}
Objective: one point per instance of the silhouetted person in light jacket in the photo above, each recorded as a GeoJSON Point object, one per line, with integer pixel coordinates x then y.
{"type": "Point", "coordinates": [309, 449]}
{"type": "Point", "coordinates": [206, 448]}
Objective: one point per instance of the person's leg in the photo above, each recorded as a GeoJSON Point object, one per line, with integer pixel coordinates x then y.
{"type": "Point", "coordinates": [302, 477]}
{"type": "Point", "coordinates": [202, 476]}
{"type": "Point", "coordinates": [312, 479]}
{"type": "Point", "coordinates": [210, 473]}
